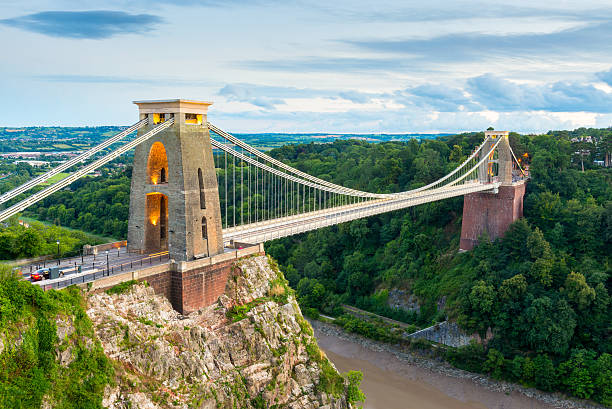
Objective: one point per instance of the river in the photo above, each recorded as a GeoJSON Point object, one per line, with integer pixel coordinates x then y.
{"type": "Point", "coordinates": [390, 383]}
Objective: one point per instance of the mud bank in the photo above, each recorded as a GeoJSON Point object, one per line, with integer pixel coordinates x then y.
{"type": "Point", "coordinates": [394, 379]}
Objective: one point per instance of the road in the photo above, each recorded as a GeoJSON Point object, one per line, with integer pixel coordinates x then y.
{"type": "Point", "coordinates": [93, 267]}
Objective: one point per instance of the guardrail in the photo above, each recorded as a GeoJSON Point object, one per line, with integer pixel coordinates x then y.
{"type": "Point", "coordinates": [97, 273]}
{"type": "Point", "coordinates": [43, 262]}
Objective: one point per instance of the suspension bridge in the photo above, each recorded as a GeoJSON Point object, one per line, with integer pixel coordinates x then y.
{"type": "Point", "coordinates": [198, 191]}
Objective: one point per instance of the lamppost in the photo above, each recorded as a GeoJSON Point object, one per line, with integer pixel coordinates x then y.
{"type": "Point", "coordinates": [58, 252]}
{"type": "Point", "coordinates": [107, 268]}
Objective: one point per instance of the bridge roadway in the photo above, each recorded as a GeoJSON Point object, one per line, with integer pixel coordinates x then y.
{"type": "Point", "coordinates": [287, 226]}
{"type": "Point", "coordinates": [94, 267]}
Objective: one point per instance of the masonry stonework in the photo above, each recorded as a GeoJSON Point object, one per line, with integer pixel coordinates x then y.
{"type": "Point", "coordinates": [161, 283]}
{"type": "Point", "coordinates": [174, 199]}
{"type": "Point", "coordinates": [490, 213]}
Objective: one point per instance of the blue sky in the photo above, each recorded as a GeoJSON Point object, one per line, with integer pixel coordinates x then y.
{"type": "Point", "coordinates": [311, 66]}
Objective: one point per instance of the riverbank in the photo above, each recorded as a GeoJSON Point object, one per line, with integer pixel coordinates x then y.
{"type": "Point", "coordinates": [394, 378]}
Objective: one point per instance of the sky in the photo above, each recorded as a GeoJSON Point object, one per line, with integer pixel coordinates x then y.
{"type": "Point", "coordinates": [311, 66]}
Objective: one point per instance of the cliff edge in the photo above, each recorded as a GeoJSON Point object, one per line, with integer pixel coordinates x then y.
{"type": "Point", "coordinates": [251, 349]}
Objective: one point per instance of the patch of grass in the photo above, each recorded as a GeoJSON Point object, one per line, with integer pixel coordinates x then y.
{"type": "Point", "coordinates": [55, 178]}
{"type": "Point", "coordinates": [239, 312]}
{"type": "Point", "coordinates": [122, 287]}
{"type": "Point", "coordinates": [279, 351]}
{"type": "Point", "coordinates": [147, 321]}
{"type": "Point", "coordinates": [304, 325]}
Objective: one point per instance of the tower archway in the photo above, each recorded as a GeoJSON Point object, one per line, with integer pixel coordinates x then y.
{"type": "Point", "coordinates": [156, 222]}
{"type": "Point", "coordinates": [157, 164]}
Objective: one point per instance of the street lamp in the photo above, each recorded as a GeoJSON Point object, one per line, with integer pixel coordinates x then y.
{"type": "Point", "coordinates": [107, 268]}
{"type": "Point", "coordinates": [58, 251]}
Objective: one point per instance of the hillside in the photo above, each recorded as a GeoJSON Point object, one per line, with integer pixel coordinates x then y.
{"type": "Point", "coordinates": [129, 349]}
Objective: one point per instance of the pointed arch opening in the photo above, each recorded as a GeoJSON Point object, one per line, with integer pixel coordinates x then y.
{"type": "Point", "coordinates": [156, 228]}
{"type": "Point", "coordinates": [157, 164]}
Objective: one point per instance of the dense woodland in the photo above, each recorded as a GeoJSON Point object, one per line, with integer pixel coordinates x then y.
{"type": "Point", "coordinates": [543, 290]}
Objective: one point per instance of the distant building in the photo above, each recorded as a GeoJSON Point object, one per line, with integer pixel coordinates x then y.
{"type": "Point", "coordinates": [34, 163]}
{"type": "Point", "coordinates": [583, 138]}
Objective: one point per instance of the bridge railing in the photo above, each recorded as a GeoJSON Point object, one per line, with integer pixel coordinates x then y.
{"type": "Point", "coordinates": [97, 273]}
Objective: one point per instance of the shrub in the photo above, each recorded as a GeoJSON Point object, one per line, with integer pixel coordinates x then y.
{"type": "Point", "coordinates": [470, 357]}
{"type": "Point", "coordinates": [122, 287]}
{"type": "Point", "coordinates": [29, 371]}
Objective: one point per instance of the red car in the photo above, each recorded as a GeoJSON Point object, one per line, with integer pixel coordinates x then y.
{"type": "Point", "coordinates": [37, 276]}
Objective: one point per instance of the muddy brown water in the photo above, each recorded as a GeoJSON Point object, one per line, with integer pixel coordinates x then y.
{"type": "Point", "coordinates": [392, 384]}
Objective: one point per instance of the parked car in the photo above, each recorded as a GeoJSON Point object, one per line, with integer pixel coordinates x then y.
{"type": "Point", "coordinates": [39, 274]}
{"type": "Point", "coordinates": [43, 274]}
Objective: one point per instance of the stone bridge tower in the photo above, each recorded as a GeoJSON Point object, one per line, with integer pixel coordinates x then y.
{"type": "Point", "coordinates": [492, 213]}
{"type": "Point", "coordinates": [174, 199]}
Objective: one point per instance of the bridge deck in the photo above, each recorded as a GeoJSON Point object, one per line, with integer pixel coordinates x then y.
{"type": "Point", "coordinates": [287, 226]}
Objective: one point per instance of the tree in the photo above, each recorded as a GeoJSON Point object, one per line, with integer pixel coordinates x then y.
{"type": "Point", "coordinates": [494, 364]}
{"type": "Point", "coordinates": [549, 325]}
{"type": "Point", "coordinates": [482, 297]}
{"type": "Point", "coordinates": [602, 370]}
{"type": "Point", "coordinates": [28, 243]}
{"type": "Point", "coordinates": [353, 393]}
{"type": "Point", "coordinates": [578, 291]}
{"type": "Point", "coordinates": [576, 373]}
{"type": "Point", "coordinates": [513, 287]}
{"type": "Point", "coordinates": [456, 154]}
{"type": "Point", "coordinates": [515, 368]}
{"type": "Point", "coordinates": [482, 300]}
{"type": "Point", "coordinates": [537, 245]}
{"type": "Point", "coordinates": [544, 373]}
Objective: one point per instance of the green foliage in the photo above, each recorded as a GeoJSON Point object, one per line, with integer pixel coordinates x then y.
{"type": "Point", "coordinates": [18, 241]}
{"type": "Point", "coordinates": [550, 325]}
{"type": "Point", "coordinates": [543, 289]}
{"type": "Point", "coordinates": [373, 330]}
{"type": "Point", "coordinates": [330, 380]}
{"type": "Point", "coordinates": [544, 373]}
{"type": "Point", "coordinates": [513, 288]}
{"type": "Point", "coordinates": [602, 371]}
{"type": "Point", "coordinates": [279, 290]}
{"type": "Point", "coordinates": [578, 291]}
{"type": "Point", "coordinates": [354, 394]}
{"type": "Point", "coordinates": [98, 205]}
{"type": "Point", "coordinates": [494, 364]}
{"type": "Point", "coordinates": [470, 357]}
{"type": "Point", "coordinates": [121, 288]}
{"type": "Point", "coordinates": [258, 402]}
{"type": "Point", "coordinates": [28, 369]}
{"type": "Point", "coordinates": [239, 312]}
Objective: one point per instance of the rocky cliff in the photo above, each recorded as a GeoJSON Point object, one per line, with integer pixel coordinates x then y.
{"type": "Point", "coordinates": [251, 349]}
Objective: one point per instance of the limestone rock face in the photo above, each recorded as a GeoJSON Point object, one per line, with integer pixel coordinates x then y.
{"type": "Point", "coordinates": [251, 349]}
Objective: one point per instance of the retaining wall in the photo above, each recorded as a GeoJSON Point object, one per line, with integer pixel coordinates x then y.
{"type": "Point", "coordinates": [189, 285]}
{"type": "Point", "coordinates": [447, 333]}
